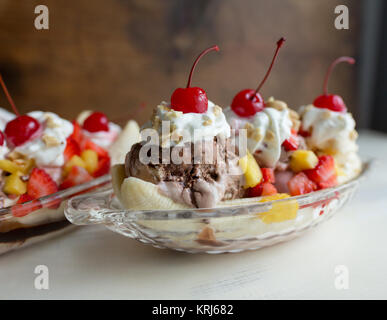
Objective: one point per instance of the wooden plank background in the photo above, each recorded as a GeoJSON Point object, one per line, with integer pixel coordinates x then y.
{"type": "Point", "coordinates": [116, 55]}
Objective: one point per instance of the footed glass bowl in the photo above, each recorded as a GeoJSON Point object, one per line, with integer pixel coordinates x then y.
{"type": "Point", "coordinates": [247, 224]}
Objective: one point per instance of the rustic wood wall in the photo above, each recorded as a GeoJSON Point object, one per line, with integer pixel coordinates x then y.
{"type": "Point", "coordinates": [115, 55]}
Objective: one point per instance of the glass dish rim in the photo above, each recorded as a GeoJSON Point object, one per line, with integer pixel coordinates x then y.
{"type": "Point", "coordinates": [254, 203]}
{"type": "Point", "coordinates": [60, 195]}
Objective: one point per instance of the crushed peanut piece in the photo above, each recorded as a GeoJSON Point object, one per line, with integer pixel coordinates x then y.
{"type": "Point", "coordinates": [50, 141]}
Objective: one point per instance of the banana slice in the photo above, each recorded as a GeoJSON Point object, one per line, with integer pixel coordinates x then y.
{"type": "Point", "coordinates": [137, 194]}
{"type": "Point", "coordinates": [128, 136]}
{"type": "Point", "coordinates": [118, 177]}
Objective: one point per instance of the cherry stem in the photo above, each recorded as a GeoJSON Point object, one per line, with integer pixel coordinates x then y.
{"type": "Point", "coordinates": [350, 60]}
{"type": "Point", "coordinates": [216, 48]}
{"type": "Point", "coordinates": [9, 98]}
{"type": "Point", "coordinates": [280, 42]}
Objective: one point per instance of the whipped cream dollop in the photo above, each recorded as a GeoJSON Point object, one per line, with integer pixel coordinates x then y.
{"type": "Point", "coordinates": [47, 149]}
{"type": "Point", "coordinates": [102, 138]}
{"type": "Point", "coordinates": [330, 131]}
{"type": "Point", "coordinates": [266, 131]}
{"type": "Point", "coordinates": [176, 127]}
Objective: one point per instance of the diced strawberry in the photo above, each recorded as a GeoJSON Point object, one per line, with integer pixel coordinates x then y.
{"type": "Point", "coordinates": [88, 144]}
{"type": "Point", "coordinates": [77, 175]}
{"type": "Point", "coordinates": [262, 189]}
{"type": "Point", "coordinates": [20, 210]}
{"type": "Point", "coordinates": [40, 184]}
{"type": "Point", "coordinates": [301, 184]}
{"type": "Point", "coordinates": [324, 174]}
{"type": "Point", "coordinates": [72, 148]}
{"type": "Point", "coordinates": [291, 143]}
{"type": "Point", "coordinates": [77, 132]}
{"type": "Point", "coordinates": [24, 198]}
{"type": "Point", "coordinates": [103, 167]}
{"type": "Point", "coordinates": [268, 175]}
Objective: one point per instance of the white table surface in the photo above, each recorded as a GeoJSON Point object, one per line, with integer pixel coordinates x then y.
{"type": "Point", "coordinates": [93, 262]}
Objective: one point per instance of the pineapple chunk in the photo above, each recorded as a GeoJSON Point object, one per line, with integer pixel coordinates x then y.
{"type": "Point", "coordinates": [303, 160]}
{"type": "Point", "coordinates": [251, 170]}
{"type": "Point", "coordinates": [28, 165]}
{"type": "Point", "coordinates": [280, 211]}
{"type": "Point", "coordinates": [9, 166]}
{"type": "Point", "coordinates": [14, 185]}
{"type": "Point", "coordinates": [90, 157]}
{"type": "Point", "coordinates": [74, 161]}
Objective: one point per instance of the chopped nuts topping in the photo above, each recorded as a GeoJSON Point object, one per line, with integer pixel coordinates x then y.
{"type": "Point", "coordinates": [217, 110]}
{"type": "Point", "coordinates": [353, 135]}
{"type": "Point", "coordinates": [207, 122]}
{"type": "Point", "coordinates": [50, 123]}
{"type": "Point", "coordinates": [276, 104]}
{"type": "Point", "coordinates": [50, 141]}
{"type": "Point", "coordinates": [326, 114]}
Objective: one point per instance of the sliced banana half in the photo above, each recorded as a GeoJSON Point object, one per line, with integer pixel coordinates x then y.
{"type": "Point", "coordinates": [128, 136]}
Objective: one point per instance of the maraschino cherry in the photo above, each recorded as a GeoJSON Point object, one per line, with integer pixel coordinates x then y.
{"type": "Point", "coordinates": [95, 122]}
{"type": "Point", "coordinates": [22, 128]}
{"type": "Point", "coordinates": [192, 99]}
{"type": "Point", "coordinates": [248, 101]}
{"type": "Point", "coordinates": [332, 101]}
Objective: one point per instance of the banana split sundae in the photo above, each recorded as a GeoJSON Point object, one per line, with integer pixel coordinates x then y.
{"type": "Point", "coordinates": [287, 153]}
{"type": "Point", "coordinates": [41, 154]}
{"type": "Point", "coordinates": [195, 162]}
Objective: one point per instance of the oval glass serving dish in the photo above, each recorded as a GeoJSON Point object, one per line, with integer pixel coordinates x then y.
{"type": "Point", "coordinates": [248, 224]}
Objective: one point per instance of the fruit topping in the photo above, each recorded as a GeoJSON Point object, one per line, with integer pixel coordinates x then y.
{"type": "Point", "coordinates": [76, 176]}
{"type": "Point", "coordinates": [331, 101]}
{"type": "Point", "coordinates": [191, 99]}
{"type": "Point", "coordinates": [291, 143]}
{"type": "Point", "coordinates": [13, 184]}
{"type": "Point", "coordinates": [251, 170]}
{"type": "Point", "coordinates": [268, 175]}
{"type": "Point", "coordinates": [324, 174]}
{"type": "Point", "coordinates": [103, 167]}
{"type": "Point", "coordinates": [72, 149]}
{"type": "Point", "coordinates": [97, 121]}
{"type": "Point", "coordinates": [22, 128]}
{"type": "Point", "coordinates": [40, 184]}
{"type": "Point", "coordinates": [301, 160]}
{"type": "Point", "coordinates": [280, 211]}
{"type": "Point", "coordinates": [262, 189]}
{"type": "Point", "coordinates": [301, 184]}
{"type": "Point", "coordinates": [248, 101]}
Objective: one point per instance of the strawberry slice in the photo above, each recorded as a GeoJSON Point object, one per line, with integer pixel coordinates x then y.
{"type": "Point", "coordinates": [20, 210]}
{"type": "Point", "coordinates": [103, 167]}
{"type": "Point", "coordinates": [301, 184]}
{"type": "Point", "coordinates": [77, 132]}
{"type": "Point", "coordinates": [88, 144]}
{"type": "Point", "coordinates": [262, 189]}
{"type": "Point", "coordinates": [77, 175]}
{"type": "Point", "coordinates": [324, 174]}
{"type": "Point", "coordinates": [72, 149]}
{"type": "Point", "coordinates": [268, 175]}
{"type": "Point", "coordinates": [291, 143]}
{"type": "Point", "coordinates": [40, 184]}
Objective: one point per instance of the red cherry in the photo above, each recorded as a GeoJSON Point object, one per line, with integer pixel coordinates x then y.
{"type": "Point", "coordinates": [21, 129]}
{"type": "Point", "coordinates": [1, 138]}
{"type": "Point", "coordinates": [331, 101]}
{"type": "Point", "coordinates": [189, 99]}
{"type": "Point", "coordinates": [95, 122]}
{"type": "Point", "coordinates": [248, 102]}
{"type": "Point", "coordinates": [243, 106]}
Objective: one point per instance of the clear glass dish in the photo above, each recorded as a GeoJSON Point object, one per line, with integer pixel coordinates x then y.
{"type": "Point", "coordinates": [33, 221]}
{"type": "Point", "coordinates": [248, 225]}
